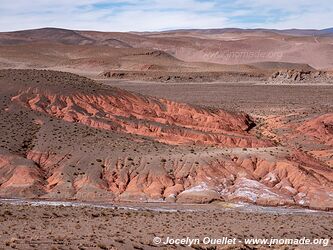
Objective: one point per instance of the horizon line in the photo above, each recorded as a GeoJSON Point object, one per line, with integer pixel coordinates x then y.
{"type": "Point", "coordinates": [171, 30]}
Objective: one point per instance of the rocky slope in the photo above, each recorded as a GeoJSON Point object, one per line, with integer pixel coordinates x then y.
{"type": "Point", "coordinates": [174, 76]}
{"type": "Point", "coordinates": [67, 137]}
{"type": "Point", "coordinates": [301, 76]}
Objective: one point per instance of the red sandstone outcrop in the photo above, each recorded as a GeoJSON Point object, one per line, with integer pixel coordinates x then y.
{"type": "Point", "coordinates": [88, 142]}
{"type": "Point", "coordinates": [254, 176]}
{"type": "Point", "coordinates": [20, 177]}
{"type": "Point", "coordinates": [163, 120]}
{"type": "Point", "coordinates": [319, 128]}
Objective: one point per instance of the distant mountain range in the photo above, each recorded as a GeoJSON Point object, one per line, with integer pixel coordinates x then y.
{"type": "Point", "coordinates": [302, 32]}
{"type": "Point", "coordinates": [230, 46]}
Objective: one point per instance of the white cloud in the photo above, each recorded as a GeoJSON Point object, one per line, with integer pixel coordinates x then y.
{"type": "Point", "coordinates": [311, 20]}
{"type": "Point", "coordinates": [142, 20]}
{"type": "Point", "coordinates": [135, 15]}
{"type": "Point", "coordinates": [148, 15]}
{"type": "Point", "coordinates": [285, 5]}
{"type": "Point", "coordinates": [286, 14]}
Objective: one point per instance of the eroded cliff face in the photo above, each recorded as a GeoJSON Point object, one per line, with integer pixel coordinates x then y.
{"type": "Point", "coordinates": [299, 76]}
{"type": "Point", "coordinates": [20, 176]}
{"type": "Point", "coordinates": [319, 128]}
{"type": "Point", "coordinates": [96, 143]}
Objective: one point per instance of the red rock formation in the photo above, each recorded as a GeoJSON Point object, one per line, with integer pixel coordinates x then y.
{"type": "Point", "coordinates": [163, 120]}
{"type": "Point", "coordinates": [20, 177]}
{"type": "Point", "coordinates": [104, 143]}
{"type": "Point", "coordinates": [319, 128]}
{"type": "Point", "coordinates": [253, 176]}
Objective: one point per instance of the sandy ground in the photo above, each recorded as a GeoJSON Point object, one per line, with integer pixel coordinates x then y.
{"type": "Point", "coordinates": [25, 226]}
{"type": "Point", "coordinates": [254, 98]}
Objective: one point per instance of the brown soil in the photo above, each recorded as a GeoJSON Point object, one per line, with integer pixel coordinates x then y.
{"type": "Point", "coordinates": [48, 227]}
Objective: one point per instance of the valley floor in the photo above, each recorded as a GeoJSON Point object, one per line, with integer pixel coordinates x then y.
{"type": "Point", "coordinates": [39, 226]}
{"type": "Point", "coordinates": [250, 97]}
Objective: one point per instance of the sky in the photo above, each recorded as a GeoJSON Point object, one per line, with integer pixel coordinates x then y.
{"type": "Point", "coordinates": [159, 15]}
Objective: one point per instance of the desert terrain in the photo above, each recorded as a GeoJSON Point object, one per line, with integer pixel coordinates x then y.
{"type": "Point", "coordinates": [183, 55]}
{"type": "Point", "coordinates": [42, 226]}
{"type": "Point", "coordinates": [210, 117]}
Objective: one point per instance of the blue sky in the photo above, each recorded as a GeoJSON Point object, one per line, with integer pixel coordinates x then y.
{"type": "Point", "coordinates": [156, 15]}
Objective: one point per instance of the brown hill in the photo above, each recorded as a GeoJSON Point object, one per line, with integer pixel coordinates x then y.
{"type": "Point", "coordinates": [67, 137]}
{"type": "Point", "coordinates": [230, 47]}
{"type": "Point", "coordinates": [44, 35]}
{"type": "Point", "coordinates": [96, 60]}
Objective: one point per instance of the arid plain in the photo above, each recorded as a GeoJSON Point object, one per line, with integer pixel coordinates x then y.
{"type": "Point", "coordinates": [213, 117]}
